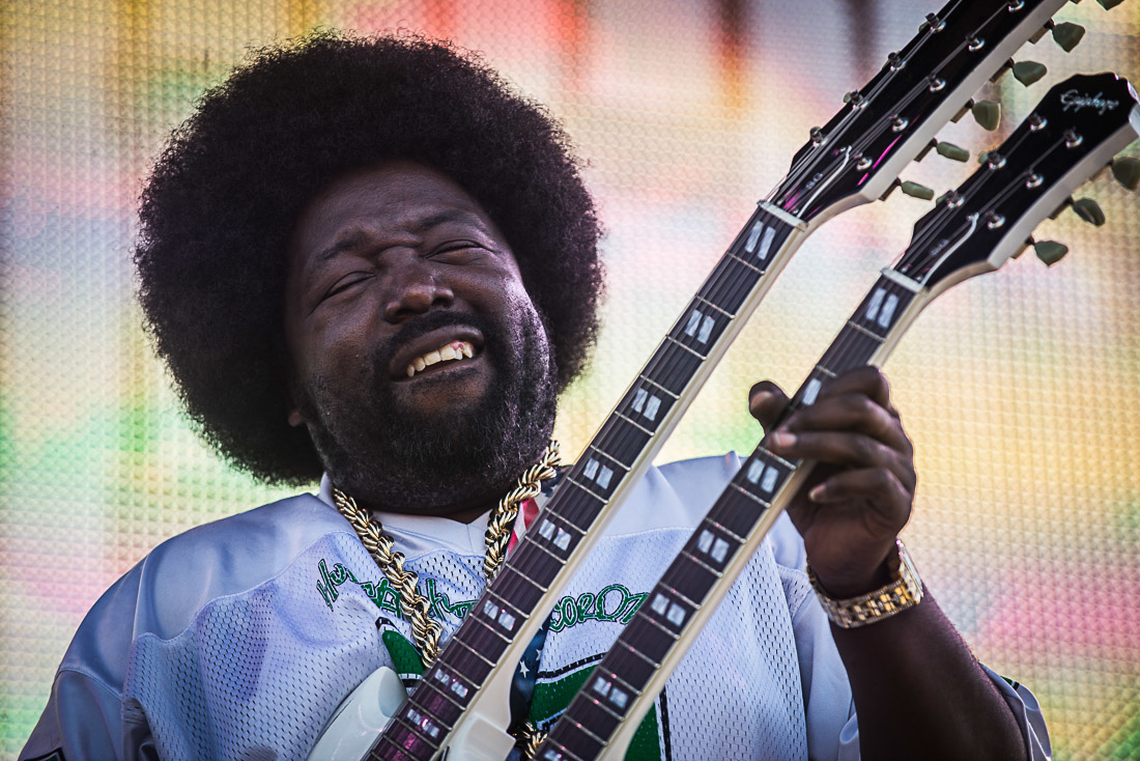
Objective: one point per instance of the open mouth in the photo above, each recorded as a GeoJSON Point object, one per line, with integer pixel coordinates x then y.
{"type": "Point", "coordinates": [453, 351]}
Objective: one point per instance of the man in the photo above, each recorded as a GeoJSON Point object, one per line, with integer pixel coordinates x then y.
{"type": "Point", "coordinates": [368, 262]}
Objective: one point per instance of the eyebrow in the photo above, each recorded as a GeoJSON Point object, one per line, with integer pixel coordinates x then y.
{"type": "Point", "coordinates": [359, 237]}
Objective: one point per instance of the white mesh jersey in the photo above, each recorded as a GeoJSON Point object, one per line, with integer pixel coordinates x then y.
{"type": "Point", "coordinates": [236, 640]}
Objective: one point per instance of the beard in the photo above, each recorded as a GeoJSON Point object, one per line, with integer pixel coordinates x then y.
{"type": "Point", "coordinates": [397, 459]}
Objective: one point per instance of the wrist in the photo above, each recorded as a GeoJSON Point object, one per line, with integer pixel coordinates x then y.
{"type": "Point", "coordinates": [901, 590]}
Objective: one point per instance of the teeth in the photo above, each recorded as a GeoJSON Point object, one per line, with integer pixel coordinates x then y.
{"type": "Point", "coordinates": [452, 351]}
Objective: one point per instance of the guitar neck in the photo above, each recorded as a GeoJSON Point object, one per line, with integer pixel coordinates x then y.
{"type": "Point", "coordinates": [624, 684]}
{"type": "Point", "coordinates": [502, 623]}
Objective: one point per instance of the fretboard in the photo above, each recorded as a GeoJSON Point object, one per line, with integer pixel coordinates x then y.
{"type": "Point", "coordinates": [519, 598]}
{"type": "Point", "coordinates": [630, 675]}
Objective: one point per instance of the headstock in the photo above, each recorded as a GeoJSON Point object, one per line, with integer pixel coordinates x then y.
{"type": "Point", "coordinates": [857, 156]}
{"type": "Point", "coordinates": [1072, 134]}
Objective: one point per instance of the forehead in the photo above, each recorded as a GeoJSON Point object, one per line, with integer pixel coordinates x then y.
{"type": "Point", "coordinates": [391, 201]}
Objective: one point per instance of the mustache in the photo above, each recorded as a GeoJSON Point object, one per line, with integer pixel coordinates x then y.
{"type": "Point", "coordinates": [419, 326]}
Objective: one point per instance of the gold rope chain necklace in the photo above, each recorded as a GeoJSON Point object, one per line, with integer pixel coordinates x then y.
{"type": "Point", "coordinates": [415, 607]}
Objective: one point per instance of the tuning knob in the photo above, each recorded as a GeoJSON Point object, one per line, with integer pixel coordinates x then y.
{"type": "Point", "coordinates": [1108, 5]}
{"type": "Point", "coordinates": [987, 113]}
{"type": "Point", "coordinates": [1068, 36]}
{"type": "Point", "coordinates": [1028, 72]}
{"type": "Point", "coordinates": [952, 152]}
{"type": "Point", "coordinates": [1050, 251]}
{"type": "Point", "coordinates": [914, 190]}
{"type": "Point", "coordinates": [1127, 172]}
{"type": "Point", "coordinates": [1090, 211]}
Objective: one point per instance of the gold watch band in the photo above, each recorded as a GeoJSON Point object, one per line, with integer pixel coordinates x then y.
{"type": "Point", "coordinates": [902, 593]}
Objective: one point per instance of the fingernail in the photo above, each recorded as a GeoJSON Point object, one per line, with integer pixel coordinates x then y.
{"type": "Point", "coordinates": [783, 439]}
{"type": "Point", "coordinates": [816, 494]}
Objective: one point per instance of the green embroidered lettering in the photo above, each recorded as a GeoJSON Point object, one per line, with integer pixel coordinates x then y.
{"type": "Point", "coordinates": [586, 609]}
{"type": "Point", "coordinates": [327, 589]}
{"type": "Point", "coordinates": [610, 605]}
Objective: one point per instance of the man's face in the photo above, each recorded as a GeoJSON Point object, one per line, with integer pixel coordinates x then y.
{"type": "Point", "coordinates": [421, 367]}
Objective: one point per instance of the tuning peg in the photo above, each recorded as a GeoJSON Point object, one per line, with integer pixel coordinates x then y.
{"type": "Point", "coordinates": [1090, 211]}
{"type": "Point", "coordinates": [1108, 5]}
{"type": "Point", "coordinates": [1127, 172]}
{"type": "Point", "coordinates": [1068, 36]}
{"type": "Point", "coordinates": [1028, 72]}
{"type": "Point", "coordinates": [914, 190]}
{"type": "Point", "coordinates": [987, 113]}
{"type": "Point", "coordinates": [1049, 251]}
{"type": "Point", "coordinates": [1001, 72]}
{"type": "Point", "coordinates": [952, 152]}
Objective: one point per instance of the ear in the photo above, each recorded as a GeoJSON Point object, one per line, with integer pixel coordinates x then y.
{"type": "Point", "coordinates": [292, 410]}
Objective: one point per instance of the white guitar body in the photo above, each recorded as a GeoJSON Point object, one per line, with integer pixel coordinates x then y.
{"type": "Point", "coordinates": [358, 720]}
{"type": "Point", "coordinates": [356, 725]}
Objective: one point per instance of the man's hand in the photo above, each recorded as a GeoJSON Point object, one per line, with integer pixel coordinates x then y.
{"type": "Point", "coordinates": [859, 494]}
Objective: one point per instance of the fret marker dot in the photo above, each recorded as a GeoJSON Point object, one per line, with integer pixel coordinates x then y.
{"type": "Point", "coordinates": [707, 325]}
{"type": "Point", "coordinates": [888, 311]}
{"type": "Point", "coordinates": [591, 468]}
{"type": "Point", "coordinates": [704, 541]}
{"type": "Point", "coordinates": [660, 603]}
{"type": "Point", "coordinates": [604, 476]}
{"type": "Point", "coordinates": [754, 237]}
{"type": "Point", "coordinates": [754, 471]}
{"type": "Point", "coordinates": [639, 397]}
{"type": "Point", "coordinates": [491, 609]}
{"type": "Point", "coordinates": [676, 615]}
{"type": "Point", "coordinates": [546, 530]}
{"type": "Point", "coordinates": [618, 697]}
{"type": "Point", "coordinates": [769, 482]}
{"type": "Point", "coordinates": [552, 755]}
{"type": "Point", "coordinates": [506, 620]}
{"type": "Point", "coordinates": [693, 324]}
{"type": "Point", "coordinates": [766, 244]}
{"type": "Point", "coordinates": [459, 689]}
{"type": "Point", "coordinates": [652, 407]}
{"type": "Point", "coordinates": [875, 303]}
{"type": "Point", "coordinates": [562, 541]}
{"type": "Point", "coordinates": [719, 550]}
{"type": "Point", "coordinates": [811, 391]}
{"type": "Point", "coordinates": [602, 687]}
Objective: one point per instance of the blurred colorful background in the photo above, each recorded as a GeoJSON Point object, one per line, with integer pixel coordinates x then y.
{"type": "Point", "coordinates": [1021, 390]}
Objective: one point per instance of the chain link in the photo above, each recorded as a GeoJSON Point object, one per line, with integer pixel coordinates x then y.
{"type": "Point", "coordinates": [416, 608]}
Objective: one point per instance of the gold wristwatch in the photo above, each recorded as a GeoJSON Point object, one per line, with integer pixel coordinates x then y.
{"type": "Point", "coordinates": [902, 593]}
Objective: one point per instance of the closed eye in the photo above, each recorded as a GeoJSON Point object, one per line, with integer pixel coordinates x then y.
{"type": "Point", "coordinates": [345, 283]}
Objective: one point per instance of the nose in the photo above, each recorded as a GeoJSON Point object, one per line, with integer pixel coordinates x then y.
{"type": "Point", "coordinates": [415, 288]}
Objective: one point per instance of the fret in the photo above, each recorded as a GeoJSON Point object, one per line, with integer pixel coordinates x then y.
{"type": "Point", "coordinates": [667, 610]}
{"type": "Point", "coordinates": [576, 741]}
{"type": "Point", "coordinates": [672, 367]}
{"type": "Point", "coordinates": [597, 472]}
{"type": "Point", "coordinates": [609, 689]}
{"type": "Point", "coordinates": [512, 585]}
{"type": "Point", "coordinates": [629, 665]}
{"type": "Point", "coordinates": [763, 474]}
{"type": "Point", "coordinates": [498, 618]}
{"type": "Point", "coordinates": [481, 638]}
{"type": "Point", "coordinates": [711, 305]}
{"type": "Point", "coordinates": [399, 742]}
{"type": "Point", "coordinates": [877, 312]}
{"type": "Point", "coordinates": [712, 547]}
{"type": "Point", "coordinates": [737, 511]}
{"type": "Point", "coordinates": [473, 666]}
{"type": "Point", "coordinates": [558, 753]}
{"type": "Point", "coordinates": [420, 726]}
{"type": "Point", "coordinates": [620, 440]}
{"type": "Point", "coordinates": [576, 506]}
{"type": "Point", "coordinates": [730, 283]}
{"type": "Point", "coordinates": [635, 424]}
{"type": "Point", "coordinates": [388, 750]}
{"type": "Point", "coordinates": [546, 546]}
{"type": "Point", "coordinates": [699, 328]}
{"type": "Point", "coordinates": [647, 638]}
{"type": "Point", "coordinates": [760, 238]}
{"type": "Point", "coordinates": [853, 347]}
{"type": "Point", "coordinates": [439, 705]}
{"type": "Point", "coordinates": [646, 405]}
{"type": "Point", "coordinates": [454, 684]}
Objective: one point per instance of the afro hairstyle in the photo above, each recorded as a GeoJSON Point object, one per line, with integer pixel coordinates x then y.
{"type": "Point", "coordinates": [221, 204]}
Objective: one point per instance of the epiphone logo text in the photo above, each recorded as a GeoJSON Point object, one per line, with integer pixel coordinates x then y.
{"type": "Point", "coordinates": [1078, 100]}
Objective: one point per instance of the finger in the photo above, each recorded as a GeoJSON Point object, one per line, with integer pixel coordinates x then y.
{"type": "Point", "coordinates": [887, 500]}
{"type": "Point", "coordinates": [867, 380]}
{"type": "Point", "coordinates": [854, 450]}
{"type": "Point", "coordinates": [853, 412]}
{"type": "Point", "coordinates": [767, 402]}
